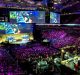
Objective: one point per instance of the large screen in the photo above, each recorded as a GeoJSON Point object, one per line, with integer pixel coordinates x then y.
{"type": "Point", "coordinates": [27, 16]}
{"type": "Point", "coordinates": [16, 32]}
{"type": "Point", "coordinates": [54, 17]}
{"type": "Point", "coordinates": [18, 28]}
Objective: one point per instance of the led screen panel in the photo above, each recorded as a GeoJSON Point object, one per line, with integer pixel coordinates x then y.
{"type": "Point", "coordinates": [27, 16]}
{"type": "Point", "coordinates": [54, 18]}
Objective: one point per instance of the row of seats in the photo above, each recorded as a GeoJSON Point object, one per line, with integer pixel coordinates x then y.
{"type": "Point", "coordinates": [59, 38]}
{"type": "Point", "coordinates": [12, 4]}
{"type": "Point", "coordinates": [8, 66]}
{"type": "Point", "coordinates": [35, 49]}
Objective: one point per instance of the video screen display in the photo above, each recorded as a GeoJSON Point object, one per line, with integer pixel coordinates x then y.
{"type": "Point", "coordinates": [27, 16]}
{"type": "Point", "coordinates": [18, 28]}
{"type": "Point", "coordinates": [54, 18]}
{"type": "Point", "coordinates": [16, 33]}
{"type": "Point", "coordinates": [2, 28]}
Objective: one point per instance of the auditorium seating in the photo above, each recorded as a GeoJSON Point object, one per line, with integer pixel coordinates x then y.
{"type": "Point", "coordinates": [24, 52]}
{"type": "Point", "coordinates": [7, 64]}
{"type": "Point", "coordinates": [59, 38]}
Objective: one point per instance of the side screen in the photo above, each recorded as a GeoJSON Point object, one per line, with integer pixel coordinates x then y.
{"type": "Point", "coordinates": [54, 17]}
